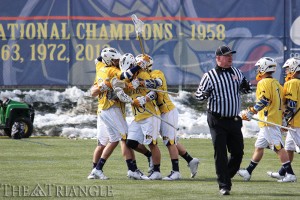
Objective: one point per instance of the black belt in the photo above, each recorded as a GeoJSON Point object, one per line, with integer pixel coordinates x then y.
{"type": "Point", "coordinates": [218, 115]}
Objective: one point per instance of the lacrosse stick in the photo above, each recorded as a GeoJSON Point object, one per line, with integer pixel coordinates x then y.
{"type": "Point", "coordinates": [163, 91]}
{"type": "Point", "coordinates": [139, 28]}
{"type": "Point", "coordinates": [283, 127]}
{"type": "Point", "coordinates": [127, 99]}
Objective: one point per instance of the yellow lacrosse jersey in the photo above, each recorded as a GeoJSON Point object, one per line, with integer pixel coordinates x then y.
{"type": "Point", "coordinates": [164, 102]}
{"type": "Point", "coordinates": [140, 113]}
{"type": "Point", "coordinates": [291, 90]}
{"type": "Point", "coordinates": [106, 73]}
{"type": "Point", "coordinates": [271, 89]}
{"type": "Point", "coordinates": [99, 65]}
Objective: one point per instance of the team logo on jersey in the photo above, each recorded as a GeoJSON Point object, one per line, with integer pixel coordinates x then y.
{"type": "Point", "coordinates": [235, 78]}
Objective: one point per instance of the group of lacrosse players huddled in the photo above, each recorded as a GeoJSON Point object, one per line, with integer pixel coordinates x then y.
{"type": "Point", "coordinates": [122, 79]}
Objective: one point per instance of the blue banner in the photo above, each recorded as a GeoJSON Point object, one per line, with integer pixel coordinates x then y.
{"type": "Point", "coordinates": [54, 43]}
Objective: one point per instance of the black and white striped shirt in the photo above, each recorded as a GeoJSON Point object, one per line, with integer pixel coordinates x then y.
{"type": "Point", "coordinates": [222, 89]}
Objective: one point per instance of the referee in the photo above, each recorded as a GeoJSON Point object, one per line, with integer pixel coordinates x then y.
{"type": "Point", "coordinates": [221, 87]}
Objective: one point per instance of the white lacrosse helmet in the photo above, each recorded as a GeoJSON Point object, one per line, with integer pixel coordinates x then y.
{"type": "Point", "coordinates": [266, 64]}
{"type": "Point", "coordinates": [126, 61]}
{"type": "Point", "coordinates": [139, 58]}
{"type": "Point", "coordinates": [292, 65]}
{"type": "Point", "coordinates": [108, 54]}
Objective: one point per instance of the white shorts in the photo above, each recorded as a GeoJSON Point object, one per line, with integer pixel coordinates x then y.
{"type": "Point", "coordinates": [292, 139]}
{"type": "Point", "coordinates": [269, 136]}
{"type": "Point", "coordinates": [144, 131]}
{"type": "Point", "coordinates": [102, 132]}
{"type": "Point", "coordinates": [168, 132]}
{"type": "Point", "coordinates": [116, 125]}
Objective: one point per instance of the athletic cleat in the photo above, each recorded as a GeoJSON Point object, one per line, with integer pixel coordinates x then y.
{"type": "Point", "coordinates": [143, 177]}
{"type": "Point", "coordinates": [175, 175]}
{"type": "Point", "coordinates": [155, 175]}
{"type": "Point", "coordinates": [224, 191]}
{"type": "Point", "coordinates": [133, 175]}
{"type": "Point", "coordinates": [288, 178]}
{"type": "Point", "coordinates": [150, 161]}
{"type": "Point", "coordinates": [137, 175]}
{"type": "Point", "coordinates": [91, 176]}
{"type": "Point", "coordinates": [245, 174]}
{"type": "Point", "coordinates": [193, 165]}
{"type": "Point", "coordinates": [275, 175]}
{"type": "Point", "coordinates": [97, 174]}
{"type": "Point", "coordinates": [297, 149]}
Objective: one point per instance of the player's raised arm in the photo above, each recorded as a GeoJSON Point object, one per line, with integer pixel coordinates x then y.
{"type": "Point", "coordinates": [130, 66]}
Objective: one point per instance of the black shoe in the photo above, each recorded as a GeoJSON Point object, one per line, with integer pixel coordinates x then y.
{"type": "Point", "coordinates": [224, 191]}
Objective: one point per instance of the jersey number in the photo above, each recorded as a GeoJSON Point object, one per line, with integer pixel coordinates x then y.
{"type": "Point", "coordinates": [138, 110]}
{"type": "Point", "coordinates": [279, 98]}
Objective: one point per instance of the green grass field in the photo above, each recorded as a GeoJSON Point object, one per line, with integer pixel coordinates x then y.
{"type": "Point", "coordinates": [52, 168]}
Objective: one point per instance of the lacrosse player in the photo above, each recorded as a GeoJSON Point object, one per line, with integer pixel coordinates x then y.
{"type": "Point", "coordinates": [169, 114]}
{"type": "Point", "coordinates": [111, 124]}
{"type": "Point", "coordinates": [145, 126]}
{"type": "Point", "coordinates": [269, 108]}
{"type": "Point", "coordinates": [100, 137]}
{"type": "Point", "coordinates": [291, 94]}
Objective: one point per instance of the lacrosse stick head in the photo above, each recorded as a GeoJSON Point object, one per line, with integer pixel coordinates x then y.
{"type": "Point", "coordinates": [138, 24]}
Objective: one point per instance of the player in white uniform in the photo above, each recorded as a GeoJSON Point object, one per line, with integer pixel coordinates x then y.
{"type": "Point", "coordinates": [291, 94]}
{"type": "Point", "coordinates": [169, 125]}
{"type": "Point", "coordinates": [268, 107]}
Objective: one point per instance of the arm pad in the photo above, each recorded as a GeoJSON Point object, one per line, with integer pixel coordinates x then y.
{"type": "Point", "coordinates": [115, 82]}
{"type": "Point", "coordinates": [123, 97]}
{"type": "Point", "coordinates": [290, 109]}
{"type": "Point", "coordinates": [263, 102]}
{"type": "Point", "coordinates": [151, 95]}
{"type": "Point", "coordinates": [153, 83]}
{"type": "Point", "coordinates": [129, 73]}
